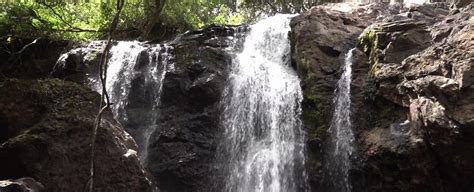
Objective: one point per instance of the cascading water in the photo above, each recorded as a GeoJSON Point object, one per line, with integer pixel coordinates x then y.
{"type": "Point", "coordinates": [120, 73]}
{"type": "Point", "coordinates": [342, 137]}
{"type": "Point", "coordinates": [135, 74]}
{"type": "Point", "coordinates": [134, 66]}
{"type": "Point", "coordinates": [263, 143]}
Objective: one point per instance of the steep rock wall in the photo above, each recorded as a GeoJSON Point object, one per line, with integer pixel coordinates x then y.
{"type": "Point", "coordinates": [429, 76]}
{"type": "Point", "coordinates": [410, 102]}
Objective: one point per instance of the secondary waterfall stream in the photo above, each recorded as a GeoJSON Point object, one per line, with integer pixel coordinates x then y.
{"type": "Point", "coordinates": [135, 66]}
{"type": "Point", "coordinates": [263, 145]}
{"type": "Point", "coordinates": [134, 82]}
{"type": "Point", "coordinates": [341, 135]}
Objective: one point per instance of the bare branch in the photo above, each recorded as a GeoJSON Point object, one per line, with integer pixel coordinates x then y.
{"type": "Point", "coordinates": [105, 101]}
{"type": "Point", "coordinates": [24, 47]}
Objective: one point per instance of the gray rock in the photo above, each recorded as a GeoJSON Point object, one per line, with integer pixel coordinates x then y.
{"type": "Point", "coordinates": [432, 81]}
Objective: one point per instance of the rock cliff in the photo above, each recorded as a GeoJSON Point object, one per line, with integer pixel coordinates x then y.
{"type": "Point", "coordinates": [424, 67]}
{"type": "Point", "coordinates": [411, 92]}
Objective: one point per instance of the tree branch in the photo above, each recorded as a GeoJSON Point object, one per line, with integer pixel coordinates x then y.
{"type": "Point", "coordinates": [24, 47]}
{"type": "Point", "coordinates": [105, 101]}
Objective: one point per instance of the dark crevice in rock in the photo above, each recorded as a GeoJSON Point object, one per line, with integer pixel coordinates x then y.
{"type": "Point", "coordinates": [329, 51]}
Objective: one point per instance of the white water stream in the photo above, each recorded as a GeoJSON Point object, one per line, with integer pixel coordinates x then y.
{"type": "Point", "coordinates": [341, 135]}
{"type": "Point", "coordinates": [135, 73]}
{"type": "Point", "coordinates": [263, 142]}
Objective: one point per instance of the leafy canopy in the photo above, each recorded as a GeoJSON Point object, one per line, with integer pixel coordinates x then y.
{"type": "Point", "coordinates": [89, 19]}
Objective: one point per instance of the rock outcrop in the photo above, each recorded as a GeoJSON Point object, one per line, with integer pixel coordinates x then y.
{"type": "Point", "coordinates": [320, 39]}
{"type": "Point", "coordinates": [45, 134]}
{"type": "Point", "coordinates": [430, 149]}
{"type": "Point", "coordinates": [182, 150]}
{"type": "Point", "coordinates": [411, 93]}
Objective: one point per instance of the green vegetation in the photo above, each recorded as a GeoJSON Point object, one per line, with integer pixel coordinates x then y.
{"type": "Point", "coordinates": [65, 20]}
{"type": "Point", "coordinates": [90, 19]}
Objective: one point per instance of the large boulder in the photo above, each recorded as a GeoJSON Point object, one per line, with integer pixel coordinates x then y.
{"type": "Point", "coordinates": [81, 64]}
{"type": "Point", "coordinates": [46, 128]}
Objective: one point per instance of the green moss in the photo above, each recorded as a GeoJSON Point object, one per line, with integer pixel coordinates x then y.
{"type": "Point", "coordinates": [370, 42]}
{"type": "Point", "coordinates": [316, 107]}
{"type": "Point", "coordinates": [91, 56]}
{"type": "Point", "coordinates": [381, 112]}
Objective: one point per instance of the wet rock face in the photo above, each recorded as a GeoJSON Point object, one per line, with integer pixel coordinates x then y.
{"type": "Point", "coordinates": [429, 148]}
{"type": "Point", "coordinates": [182, 149]}
{"type": "Point", "coordinates": [319, 41]}
{"type": "Point", "coordinates": [46, 131]}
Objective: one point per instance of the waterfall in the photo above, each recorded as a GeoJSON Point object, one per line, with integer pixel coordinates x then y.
{"type": "Point", "coordinates": [139, 68]}
{"type": "Point", "coordinates": [262, 147]}
{"type": "Point", "coordinates": [135, 73]}
{"type": "Point", "coordinates": [120, 73]}
{"type": "Point", "coordinates": [342, 137]}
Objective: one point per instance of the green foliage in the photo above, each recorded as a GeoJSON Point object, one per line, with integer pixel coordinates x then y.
{"type": "Point", "coordinates": [90, 19]}
{"type": "Point", "coordinates": [255, 8]}
{"type": "Point", "coordinates": [63, 20]}
{"type": "Point", "coordinates": [16, 19]}
{"type": "Point", "coordinates": [192, 14]}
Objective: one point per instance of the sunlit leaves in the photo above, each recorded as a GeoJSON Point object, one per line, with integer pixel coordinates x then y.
{"type": "Point", "coordinates": [66, 19]}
